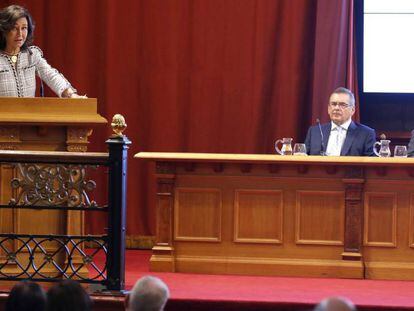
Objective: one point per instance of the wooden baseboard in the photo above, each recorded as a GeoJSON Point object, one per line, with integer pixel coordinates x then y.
{"type": "Point", "coordinates": [261, 266]}
{"type": "Point", "coordinates": [389, 270]}
{"type": "Point", "coordinates": [140, 241]}
{"type": "Point", "coordinates": [134, 242]}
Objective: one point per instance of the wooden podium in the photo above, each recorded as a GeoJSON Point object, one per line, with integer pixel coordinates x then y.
{"type": "Point", "coordinates": [49, 124]}
{"type": "Point", "coordinates": [42, 124]}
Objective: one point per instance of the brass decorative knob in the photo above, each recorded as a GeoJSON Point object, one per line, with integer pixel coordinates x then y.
{"type": "Point", "coordinates": [118, 125]}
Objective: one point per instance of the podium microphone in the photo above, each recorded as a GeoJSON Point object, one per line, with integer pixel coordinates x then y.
{"type": "Point", "coordinates": [323, 153]}
{"type": "Point", "coordinates": [41, 88]}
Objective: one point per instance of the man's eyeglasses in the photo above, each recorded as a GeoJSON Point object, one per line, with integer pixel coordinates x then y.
{"type": "Point", "coordinates": [341, 105]}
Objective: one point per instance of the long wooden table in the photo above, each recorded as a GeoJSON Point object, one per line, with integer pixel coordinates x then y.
{"type": "Point", "coordinates": [349, 217]}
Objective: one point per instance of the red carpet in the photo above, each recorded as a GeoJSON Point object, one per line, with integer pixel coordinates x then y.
{"type": "Point", "coordinates": [230, 292]}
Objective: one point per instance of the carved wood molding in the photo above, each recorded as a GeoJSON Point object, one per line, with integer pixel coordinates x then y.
{"type": "Point", "coordinates": [246, 168]}
{"type": "Point", "coordinates": [190, 167]}
{"type": "Point", "coordinates": [77, 138]}
{"type": "Point", "coordinates": [352, 172]}
{"type": "Point", "coordinates": [410, 171]}
{"type": "Point", "coordinates": [303, 169]}
{"type": "Point", "coordinates": [218, 167]}
{"type": "Point", "coordinates": [165, 168]}
{"type": "Point", "coordinates": [10, 137]}
{"type": "Point", "coordinates": [381, 170]}
{"type": "Point", "coordinates": [331, 169]}
{"type": "Point", "coordinates": [273, 168]}
{"type": "Point", "coordinates": [354, 212]}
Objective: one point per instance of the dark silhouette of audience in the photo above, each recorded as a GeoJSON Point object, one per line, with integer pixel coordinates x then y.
{"type": "Point", "coordinates": [148, 294]}
{"type": "Point", "coordinates": [335, 304]}
{"type": "Point", "coordinates": [26, 296]}
{"type": "Point", "coordinates": [68, 295]}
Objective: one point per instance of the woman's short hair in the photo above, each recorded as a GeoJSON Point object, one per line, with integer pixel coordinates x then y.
{"type": "Point", "coordinates": [8, 18]}
{"type": "Point", "coordinates": [26, 296]}
{"type": "Point", "coordinates": [68, 295]}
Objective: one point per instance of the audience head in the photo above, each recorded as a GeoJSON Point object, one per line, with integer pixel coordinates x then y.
{"type": "Point", "coordinates": [68, 295]}
{"type": "Point", "coordinates": [335, 304]}
{"type": "Point", "coordinates": [26, 296]}
{"type": "Point", "coordinates": [341, 105]}
{"type": "Point", "coordinates": [148, 294]}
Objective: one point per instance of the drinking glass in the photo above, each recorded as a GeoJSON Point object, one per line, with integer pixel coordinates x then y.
{"type": "Point", "coordinates": [400, 152]}
{"type": "Point", "coordinates": [299, 149]}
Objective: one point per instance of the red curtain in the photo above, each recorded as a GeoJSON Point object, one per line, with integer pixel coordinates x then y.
{"type": "Point", "coordinates": [335, 63]}
{"type": "Point", "coordinates": [196, 75]}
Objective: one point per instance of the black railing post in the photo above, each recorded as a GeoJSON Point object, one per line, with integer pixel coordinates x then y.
{"type": "Point", "coordinates": [117, 191]}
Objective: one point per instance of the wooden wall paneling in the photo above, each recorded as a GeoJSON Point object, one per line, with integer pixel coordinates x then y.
{"type": "Point", "coordinates": [380, 219]}
{"type": "Point", "coordinates": [197, 214]}
{"type": "Point", "coordinates": [319, 217]}
{"type": "Point", "coordinates": [387, 251]}
{"type": "Point", "coordinates": [258, 216]}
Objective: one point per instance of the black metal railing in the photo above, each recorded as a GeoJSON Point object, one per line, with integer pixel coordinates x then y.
{"type": "Point", "coordinates": [61, 183]}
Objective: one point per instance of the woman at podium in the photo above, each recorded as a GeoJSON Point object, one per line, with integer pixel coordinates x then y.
{"type": "Point", "coordinates": [20, 61]}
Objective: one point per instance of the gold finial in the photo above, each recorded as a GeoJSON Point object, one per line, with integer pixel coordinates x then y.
{"type": "Point", "coordinates": [118, 125]}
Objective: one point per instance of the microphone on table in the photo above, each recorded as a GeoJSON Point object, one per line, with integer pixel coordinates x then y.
{"type": "Point", "coordinates": [322, 142]}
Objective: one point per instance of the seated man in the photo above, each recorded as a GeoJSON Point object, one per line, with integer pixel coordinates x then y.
{"type": "Point", "coordinates": [341, 136]}
{"type": "Point", "coordinates": [410, 149]}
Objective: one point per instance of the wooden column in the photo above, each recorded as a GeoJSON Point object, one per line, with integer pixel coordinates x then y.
{"type": "Point", "coordinates": [354, 212]}
{"type": "Point", "coordinates": [163, 259]}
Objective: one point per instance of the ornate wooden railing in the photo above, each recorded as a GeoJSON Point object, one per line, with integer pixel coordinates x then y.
{"type": "Point", "coordinates": [70, 185]}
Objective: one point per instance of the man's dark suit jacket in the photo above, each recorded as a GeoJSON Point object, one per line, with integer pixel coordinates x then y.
{"type": "Point", "coordinates": [410, 149]}
{"type": "Point", "coordinates": [359, 140]}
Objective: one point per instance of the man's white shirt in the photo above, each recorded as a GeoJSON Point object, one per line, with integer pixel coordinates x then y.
{"type": "Point", "coordinates": [337, 138]}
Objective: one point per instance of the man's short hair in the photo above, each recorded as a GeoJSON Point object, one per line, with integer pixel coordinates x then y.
{"type": "Point", "coordinates": [148, 294]}
{"type": "Point", "coordinates": [335, 303]}
{"type": "Point", "coordinates": [344, 90]}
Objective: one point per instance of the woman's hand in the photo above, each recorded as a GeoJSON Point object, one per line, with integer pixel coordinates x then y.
{"type": "Point", "coordinates": [75, 95]}
{"type": "Point", "coordinates": [71, 93]}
